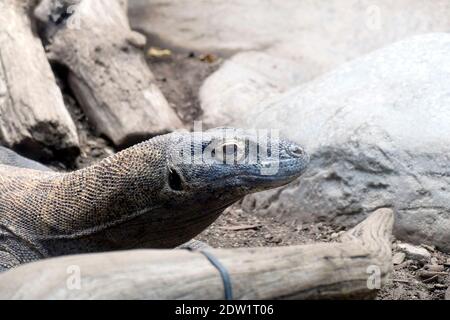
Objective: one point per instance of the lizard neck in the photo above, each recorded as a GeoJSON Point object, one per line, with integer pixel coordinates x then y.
{"type": "Point", "coordinates": [49, 205]}
{"type": "Point", "coordinates": [116, 189]}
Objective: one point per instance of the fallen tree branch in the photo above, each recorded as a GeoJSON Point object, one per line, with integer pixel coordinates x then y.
{"type": "Point", "coordinates": [353, 268]}
{"type": "Point", "coordinates": [33, 116]}
{"type": "Point", "coordinates": [108, 73]}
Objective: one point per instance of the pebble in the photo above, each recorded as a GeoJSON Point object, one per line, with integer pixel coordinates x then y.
{"type": "Point", "coordinates": [434, 267]}
{"type": "Point", "coordinates": [398, 258]}
{"type": "Point", "coordinates": [447, 263]}
{"type": "Point", "coordinates": [414, 252]}
{"type": "Point", "coordinates": [429, 248]}
{"type": "Point", "coordinates": [334, 235]}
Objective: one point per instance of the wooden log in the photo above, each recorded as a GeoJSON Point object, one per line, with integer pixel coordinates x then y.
{"type": "Point", "coordinates": [353, 268]}
{"type": "Point", "coordinates": [33, 118]}
{"type": "Point", "coordinates": [107, 69]}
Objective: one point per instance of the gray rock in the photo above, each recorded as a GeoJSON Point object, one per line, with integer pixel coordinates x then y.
{"type": "Point", "coordinates": [434, 267]}
{"type": "Point", "coordinates": [414, 252]}
{"type": "Point", "coordinates": [378, 132]}
{"type": "Point", "coordinates": [319, 35]}
{"type": "Point", "coordinates": [244, 81]}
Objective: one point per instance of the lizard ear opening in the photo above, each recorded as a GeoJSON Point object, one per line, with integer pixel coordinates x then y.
{"type": "Point", "coordinates": [175, 180]}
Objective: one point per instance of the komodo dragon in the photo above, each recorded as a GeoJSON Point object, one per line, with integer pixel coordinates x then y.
{"type": "Point", "coordinates": [142, 197]}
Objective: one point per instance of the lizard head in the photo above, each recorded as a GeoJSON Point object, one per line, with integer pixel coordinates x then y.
{"type": "Point", "coordinates": [183, 181]}
{"type": "Point", "coordinates": [215, 168]}
{"type": "Point", "coordinates": [165, 191]}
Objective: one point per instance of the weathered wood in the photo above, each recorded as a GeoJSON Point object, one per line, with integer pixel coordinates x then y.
{"type": "Point", "coordinates": [33, 117]}
{"type": "Point", "coordinates": [324, 270]}
{"type": "Point", "coordinates": [107, 69]}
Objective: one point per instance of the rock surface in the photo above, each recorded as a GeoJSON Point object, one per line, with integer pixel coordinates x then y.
{"type": "Point", "coordinates": [378, 133]}
{"type": "Point", "coordinates": [108, 73]}
{"type": "Point", "coordinates": [33, 117]}
{"type": "Point", "coordinates": [243, 81]}
{"type": "Point", "coordinates": [319, 36]}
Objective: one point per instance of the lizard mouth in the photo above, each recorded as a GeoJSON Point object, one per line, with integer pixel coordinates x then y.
{"type": "Point", "coordinates": [275, 180]}
{"type": "Point", "coordinates": [277, 175]}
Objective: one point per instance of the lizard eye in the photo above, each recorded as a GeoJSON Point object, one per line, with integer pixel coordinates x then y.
{"type": "Point", "coordinates": [231, 152]}
{"type": "Point", "coordinates": [175, 180]}
{"type": "Point", "coordinates": [230, 149]}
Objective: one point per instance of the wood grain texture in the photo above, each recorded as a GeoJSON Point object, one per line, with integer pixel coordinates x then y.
{"type": "Point", "coordinates": [316, 271]}
{"type": "Point", "coordinates": [108, 73]}
{"type": "Point", "coordinates": [32, 111]}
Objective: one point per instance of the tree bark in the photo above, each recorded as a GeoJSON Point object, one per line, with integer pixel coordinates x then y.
{"type": "Point", "coordinates": [108, 73]}
{"type": "Point", "coordinates": [33, 117]}
{"type": "Point", "coordinates": [354, 268]}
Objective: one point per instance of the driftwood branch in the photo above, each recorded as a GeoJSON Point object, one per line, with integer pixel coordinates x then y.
{"type": "Point", "coordinates": [32, 112]}
{"type": "Point", "coordinates": [108, 73]}
{"type": "Point", "coordinates": [348, 269]}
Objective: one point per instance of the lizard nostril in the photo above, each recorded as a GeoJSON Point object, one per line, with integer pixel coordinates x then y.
{"type": "Point", "coordinates": [295, 151]}
{"type": "Point", "coordinates": [175, 180]}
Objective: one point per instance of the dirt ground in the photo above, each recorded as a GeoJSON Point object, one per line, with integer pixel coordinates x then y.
{"type": "Point", "coordinates": [410, 280]}
{"type": "Point", "coordinates": [179, 76]}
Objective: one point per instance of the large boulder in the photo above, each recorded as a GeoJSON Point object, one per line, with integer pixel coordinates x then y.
{"type": "Point", "coordinates": [243, 81]}
{"type": "Point", "coordinates": [319, 35]}
{"type": "Point", "coordinates": [378, 131]}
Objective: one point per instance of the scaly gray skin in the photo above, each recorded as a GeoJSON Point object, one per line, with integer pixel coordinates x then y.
{"type": "Point", "coordinates": [9, 157]}
{"type": "Point", "coordinates": [142, 197]}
